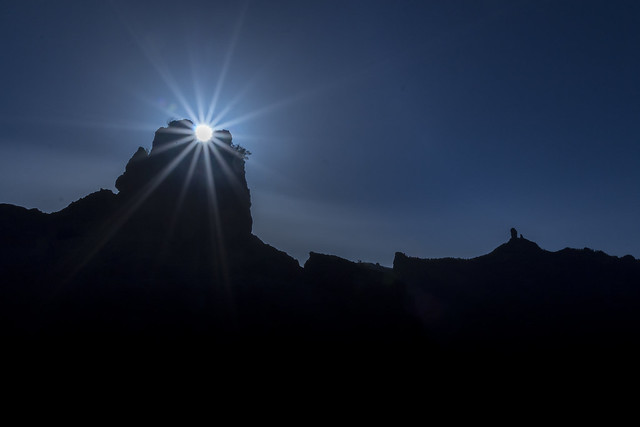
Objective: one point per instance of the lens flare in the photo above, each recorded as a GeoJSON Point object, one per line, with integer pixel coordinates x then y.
{"type": "Point", "coordinates": [203, 133]}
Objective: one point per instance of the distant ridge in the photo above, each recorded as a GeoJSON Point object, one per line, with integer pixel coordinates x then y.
{"type": "Point", "coordinates": [520, 296]}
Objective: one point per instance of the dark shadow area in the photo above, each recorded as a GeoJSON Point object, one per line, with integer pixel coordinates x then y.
{"type": "Point", "coordinates": [172, 257]}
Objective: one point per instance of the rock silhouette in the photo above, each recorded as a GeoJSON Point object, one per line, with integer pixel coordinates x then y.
{"type": "Point", "coordinates": [521, 297]}
{"type": "Point", "coordinates": [172, 256]}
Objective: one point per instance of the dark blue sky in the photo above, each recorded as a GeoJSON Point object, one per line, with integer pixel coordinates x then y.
{"type": "Point", "coordinates": [428, 127]}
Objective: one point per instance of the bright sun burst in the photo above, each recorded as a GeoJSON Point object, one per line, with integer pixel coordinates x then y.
{"type": "Point", "coordinates": [203, 132]}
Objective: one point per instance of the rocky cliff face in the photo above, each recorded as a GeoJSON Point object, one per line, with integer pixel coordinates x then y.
{"type": "Point", "coordinates": [172, 256]}
{"type": "Point", "coordinates": [172, 251]}
{"type": "Point", "coordinates": [193, 186]}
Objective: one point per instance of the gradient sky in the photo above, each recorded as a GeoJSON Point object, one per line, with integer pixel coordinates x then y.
{"type": "Point", "coordinates": [428, 127]}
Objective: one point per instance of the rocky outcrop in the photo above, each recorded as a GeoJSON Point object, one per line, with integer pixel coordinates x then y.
{"type": "Point", "coordinates": [190, 185]}
{"type": "Point", "coordinates": [520, 296]}
{"type": "Point", "coordinates": [171, 253]}
{"type": "Point", "coordinates": [172, 256]}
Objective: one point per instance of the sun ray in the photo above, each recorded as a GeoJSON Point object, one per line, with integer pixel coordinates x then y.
{"type": "Point", "coordinates": [235, 184]}
{"type": "Point", "coordinates": [183, 191]}
{"type": "Point", "coordinates": [184, 140]}
{"type": "Point", "coordinates": [187, 180]}
{"type": "Point", "coordinates": [219, 144]}
{"type": "Point", "coordinates": [266, 109]}
{"type": "Point", "coordinates": [216, 230]}
{"type": "Point", "coordinates": [176, 130]}
{"type": "Point", "coordinates": [162, 175]}
{"type": "Point", "coordinates": [196, 87]}
{"type": "Point", "coordinates": [158, 65]}
{"type": "Point", "coordinates": [121, 217]}
{"type": "Point", "coordinates": [169, 81]}
{"type": "Point", "coordinates": [212, 197]}
{"type": "Point", "coordinates": [225, 66]}
{"type": "Point", "coordinates": [234, 101]}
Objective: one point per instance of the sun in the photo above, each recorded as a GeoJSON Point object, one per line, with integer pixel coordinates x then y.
{"type": "Point", "coordinates": [203, 132]}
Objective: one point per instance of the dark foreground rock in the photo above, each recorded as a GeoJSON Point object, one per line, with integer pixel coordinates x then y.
{"type": "Point", "coordinates": [172, 257]}
{"type": "Point", "coordinates": [520, 297]}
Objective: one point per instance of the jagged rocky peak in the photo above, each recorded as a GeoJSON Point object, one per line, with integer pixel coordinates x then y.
{"type": "Point", "coordinates": [201, 182]}
{"type": "Point", "coordinates": [518, 244]}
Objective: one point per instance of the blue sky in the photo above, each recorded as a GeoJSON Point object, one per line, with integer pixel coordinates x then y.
{"type": "Point", "coordinates": [428, 127]}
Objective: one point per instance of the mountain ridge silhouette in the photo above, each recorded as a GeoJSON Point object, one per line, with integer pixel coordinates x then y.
{"type": "Point", "coordinates": [172, 255]}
